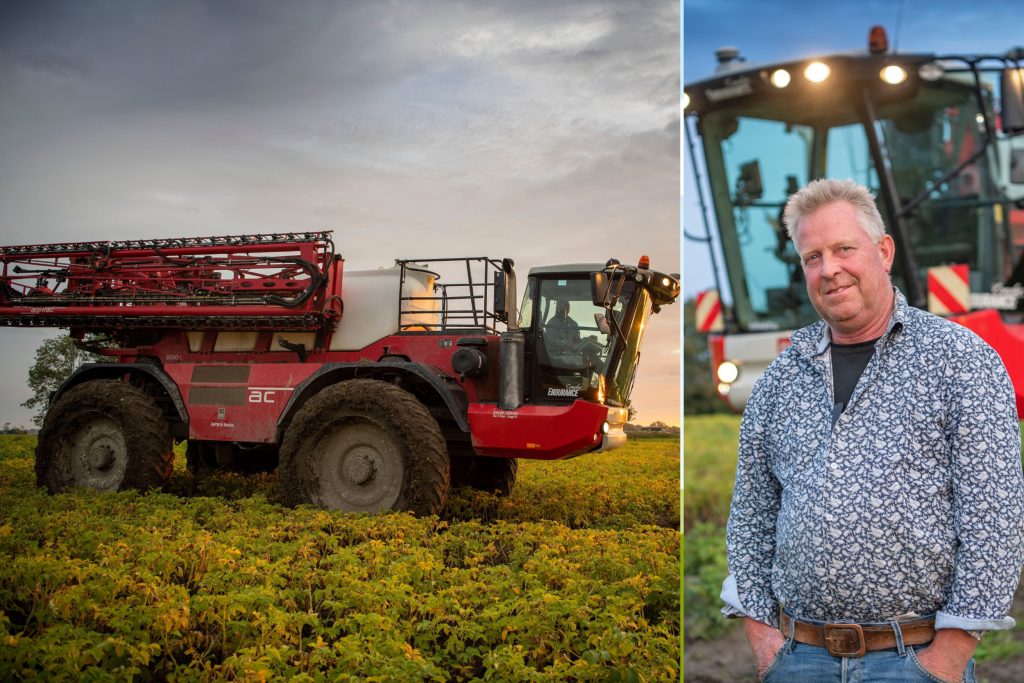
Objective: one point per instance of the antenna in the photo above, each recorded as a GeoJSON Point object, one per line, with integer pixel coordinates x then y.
{"type": "Point", "coordinates": [896, 33]}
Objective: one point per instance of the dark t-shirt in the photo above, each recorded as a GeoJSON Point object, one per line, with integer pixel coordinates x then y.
{"type": "Point", "coordinates": [848, 363]}
{"type": "Point", "coordinates": [563, 333]}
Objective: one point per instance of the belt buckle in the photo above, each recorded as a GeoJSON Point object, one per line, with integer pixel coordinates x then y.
{"type": "Point", "coordinates": [845, 640]}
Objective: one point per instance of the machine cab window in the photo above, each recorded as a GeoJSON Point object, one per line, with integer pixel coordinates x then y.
{"type": "Point", "coordinates": [571, 338]}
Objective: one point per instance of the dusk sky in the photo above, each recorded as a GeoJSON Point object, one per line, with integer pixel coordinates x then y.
{"type": "Point", "coordinates": [768, 32]}
{"type": "Point", "coordinates": [546, 132]}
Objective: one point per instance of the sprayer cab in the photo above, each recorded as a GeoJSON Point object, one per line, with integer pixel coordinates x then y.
{"type": "Point", "coordinates": [568, 369]}
{"type": "Point", "coordinates": [583, 325]}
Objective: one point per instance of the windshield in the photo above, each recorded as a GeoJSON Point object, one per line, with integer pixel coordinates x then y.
{"type": "Point", "coordinates": [755, 162]}
{"type": "Point", "coordinates": [578, 352]}
{"type": "Point", "coordinates": [929, 138]}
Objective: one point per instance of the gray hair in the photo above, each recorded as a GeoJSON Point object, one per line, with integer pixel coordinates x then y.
{"type": "Point", "coordinates": [825, 191]}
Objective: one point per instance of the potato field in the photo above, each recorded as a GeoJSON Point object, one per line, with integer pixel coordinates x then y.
{"type": "Point", "coordinates": [574, 577]}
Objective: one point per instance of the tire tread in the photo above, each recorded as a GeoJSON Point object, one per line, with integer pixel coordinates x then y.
{"type": "Point", "coordinates": [146, 432]}
{"type": "Point", "coordinates": [427, 480]}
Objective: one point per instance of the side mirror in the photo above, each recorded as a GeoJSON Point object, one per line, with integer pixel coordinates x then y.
{"type": "Point", "coordinates": [1011, 86]}
{"type": "Point", "coordinates": [599, 286]}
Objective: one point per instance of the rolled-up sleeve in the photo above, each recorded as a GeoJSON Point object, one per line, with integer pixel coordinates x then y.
{"type": "Point", "coordinates": [983, 433]}
{"type": "Point", "coordinates": [750, 533]}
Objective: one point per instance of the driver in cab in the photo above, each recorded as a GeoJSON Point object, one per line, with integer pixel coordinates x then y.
{"type": "Point", "coordinates": [561, 332]}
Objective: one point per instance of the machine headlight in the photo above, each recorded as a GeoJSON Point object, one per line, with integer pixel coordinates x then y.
{"type": "Point", "coordinates": [931, 71]}
{"type": "Point", "coordinates": [780, 78]}
{"type": "Point", "coordinates": [893, 75]}
{"type": "Point", "coordinates": [816, 72]}
{"type": "Point", "coordinates": [728, 372]}
{"type": "Point", "coordinates": [605, 428]}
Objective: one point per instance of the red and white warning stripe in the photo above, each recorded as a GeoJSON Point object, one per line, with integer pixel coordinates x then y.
{"type": "Point", "coordinates": [709, 311]}
{"type": "Point", "coordinates": [949, 290]}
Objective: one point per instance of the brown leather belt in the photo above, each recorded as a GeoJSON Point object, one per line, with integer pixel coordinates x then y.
{"type": "Point", "coordinates": [853, 640]}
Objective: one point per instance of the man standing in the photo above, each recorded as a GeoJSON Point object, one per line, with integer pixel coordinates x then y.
{"type": "Point", "coordinates": [879, 500]}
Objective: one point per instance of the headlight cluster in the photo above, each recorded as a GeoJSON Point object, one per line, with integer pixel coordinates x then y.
{"type": "Point", "coordinates": [728, 372]}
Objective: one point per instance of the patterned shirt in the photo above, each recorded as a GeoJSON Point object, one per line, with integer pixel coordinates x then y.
{"type": "Point", "coordinates": [913, 503]}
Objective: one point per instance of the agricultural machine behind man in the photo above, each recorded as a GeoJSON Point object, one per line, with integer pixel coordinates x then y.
{"type": "Point", "coordinates": [371, 391]}
{"type": "Point", "coordinates": [920, 130]}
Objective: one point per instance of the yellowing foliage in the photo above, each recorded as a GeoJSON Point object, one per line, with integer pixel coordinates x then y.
{"type": "Point", "coordinates": [573, 577]}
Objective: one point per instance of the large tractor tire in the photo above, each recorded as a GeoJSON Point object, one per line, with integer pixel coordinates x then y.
{"type": "Point", "coordinates": [493, 475]}
{"type": "Point", "coordinates": [365, 446]}
{"type": "Point", "coordinates": [104, 435]}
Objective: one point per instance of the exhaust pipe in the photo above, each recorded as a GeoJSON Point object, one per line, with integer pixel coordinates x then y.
{"type": "Point", "coordinates": [511, 376]}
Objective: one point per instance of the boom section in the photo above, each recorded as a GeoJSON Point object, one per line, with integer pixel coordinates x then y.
{"type": "Point", "coordinates": [262, 281]}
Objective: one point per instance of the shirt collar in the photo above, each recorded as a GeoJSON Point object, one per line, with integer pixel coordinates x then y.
{"type": "Point", "coordinates": [815, 339]}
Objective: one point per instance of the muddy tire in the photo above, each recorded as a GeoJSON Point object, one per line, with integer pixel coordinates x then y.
{"type": "Point", "coordinates": [104, 435]}
{"type": "Point", "coordinates": [493, 475]}
{"type": "Point", "coordinates": [364, 446]}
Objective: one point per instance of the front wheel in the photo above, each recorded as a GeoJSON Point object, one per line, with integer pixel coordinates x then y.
{"type": "Point", "coordinates": [365, 446]}
{"type": "Point", "coordinates": [104, 435]}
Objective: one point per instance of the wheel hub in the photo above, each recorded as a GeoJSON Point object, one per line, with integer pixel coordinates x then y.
{"type": "Point", "coordinates": [359, 467]}
{"type": "Point", "coordinates": [99, 455]}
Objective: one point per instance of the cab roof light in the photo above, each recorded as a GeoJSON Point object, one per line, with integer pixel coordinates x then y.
{"type": "Point", "coordinates": [817, 72]}
{"type": "Point", "coordinates": [686, 101]}
{"type": "Point", "coordinates": [893, 74]}
{"type": "Point", "coordinates": [780, 78]}
{"type": "Point", "coordinates": [645, 262]}
{"type": "Point", "coordinates": [931, 71]}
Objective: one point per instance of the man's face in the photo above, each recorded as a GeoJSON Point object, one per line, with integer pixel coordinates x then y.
{"type": "Point", "coordinates": [847, 275]}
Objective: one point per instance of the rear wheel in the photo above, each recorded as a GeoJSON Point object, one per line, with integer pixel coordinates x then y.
{"type": "Point", "coordinates": [365, 446]}
{"type": "Point", "coordinates": [104, 435]}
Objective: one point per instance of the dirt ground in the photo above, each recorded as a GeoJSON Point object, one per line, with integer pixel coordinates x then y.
{"type": "Point", "coordinates": [728, 659]}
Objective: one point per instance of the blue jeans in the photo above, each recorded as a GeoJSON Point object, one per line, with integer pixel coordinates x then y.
{"type": "Point", "coordinates": [800, 663]}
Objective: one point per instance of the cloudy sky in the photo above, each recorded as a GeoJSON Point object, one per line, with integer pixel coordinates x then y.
{"type": "Point", "coordinates": [547, 132]}
{"type": "Point", "coordinates": [791, 29]}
